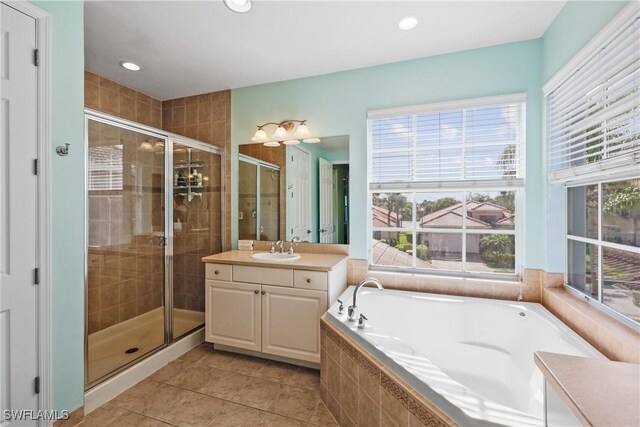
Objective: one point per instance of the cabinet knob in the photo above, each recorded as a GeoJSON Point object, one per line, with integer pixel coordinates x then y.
{"type": "Point", "coordinates": [264, 292]}
{"type": "Point", "coordinates": [256, 292]}
{"type": "Point", "coordinates": [308, 280]}
{"type": "Point", "coordinates": [216, 272]}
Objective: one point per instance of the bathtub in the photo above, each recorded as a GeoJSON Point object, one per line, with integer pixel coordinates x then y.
{"type": "Point", "coordinates": [471, 357]}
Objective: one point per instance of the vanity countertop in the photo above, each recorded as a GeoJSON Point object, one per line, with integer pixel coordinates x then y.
{"type": "Point", "coordinates": [598, 392]}
{"type": "Point", "coordinates": [307, 261]}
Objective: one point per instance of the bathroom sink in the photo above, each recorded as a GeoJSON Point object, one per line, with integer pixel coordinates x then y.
{"type": "Point", "coordinates": [267, 256]}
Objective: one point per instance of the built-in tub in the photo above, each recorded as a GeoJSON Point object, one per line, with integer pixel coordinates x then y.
{"type": "Point", "coordinates": [471, 357]}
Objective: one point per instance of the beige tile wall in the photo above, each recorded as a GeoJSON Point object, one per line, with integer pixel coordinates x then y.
{"type": "Point", "coordinates": [108, 96]}
{"type": "Point", "coordinates": [359, 390]}
{"type": "Point", "coordinates": [207, 118]}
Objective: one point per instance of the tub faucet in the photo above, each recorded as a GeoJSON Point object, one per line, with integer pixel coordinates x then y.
{"type": "Point", "coordinates": [352, 308]}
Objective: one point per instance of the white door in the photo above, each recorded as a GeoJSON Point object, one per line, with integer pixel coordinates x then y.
{"type": "Point", "coordinates": [233, 314]}
{"type": "Point", "coordinates": [291, 322]}
{"type": "Point", "coordinates": [300, 195]}
{"type": "Point", "coordinates": [18, 207]}
{"type": "Point", "coordinates": [327, 223]}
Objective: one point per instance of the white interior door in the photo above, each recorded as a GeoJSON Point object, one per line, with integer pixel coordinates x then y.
{"type": "Point", "coordinates": [300, 195]}
{"type": "Point", "coordinates": [18, 207]}
{"type": "Point", "coordinates": [327, 226]}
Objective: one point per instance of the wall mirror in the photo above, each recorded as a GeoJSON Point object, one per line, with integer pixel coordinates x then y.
{"type": "Point", "coordinates": [295, 190]}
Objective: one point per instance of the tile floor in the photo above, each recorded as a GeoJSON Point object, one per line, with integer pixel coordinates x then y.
{"type": "Point", "coordinates": [205, 387]}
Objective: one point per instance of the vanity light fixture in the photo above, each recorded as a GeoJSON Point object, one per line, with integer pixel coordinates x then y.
{"type": "Point", "coordinates": [285, 134]}
{"type": "Point", "coordinates": [130, 66]}
{"type": "Point", "coordinates": [408, 23]}
{"type": "Point", "coordinates": [239, 6]}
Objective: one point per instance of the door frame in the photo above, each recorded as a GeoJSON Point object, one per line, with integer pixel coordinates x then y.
{"type": "Point", "coordinates": [170, 139]}
{"type": "Point", "coordinates": [43, 256]}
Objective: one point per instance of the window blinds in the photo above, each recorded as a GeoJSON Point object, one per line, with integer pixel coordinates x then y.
{"type": "Point", "coordinates": [476, 143]}
{"type": "Point", "coordinates": [105, 168]}
{"type": "Point", "coordinates": [593, 115]}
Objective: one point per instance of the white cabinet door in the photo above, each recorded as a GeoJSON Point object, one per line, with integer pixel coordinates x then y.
{"type": "Point", "coordinates": [291, 322]}
{"type": "Point", "coordinates": [233, 314]}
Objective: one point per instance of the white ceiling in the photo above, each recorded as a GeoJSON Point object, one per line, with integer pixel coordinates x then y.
{"type": "Point", "coordinates": [192, 47]}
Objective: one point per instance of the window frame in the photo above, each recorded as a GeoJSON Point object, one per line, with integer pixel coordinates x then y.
{"type": "Point", "coordinates": [466, 186]}
{"type": "Point", "coordinates": [621, 164]}
{"type": "Point", "coordinates": [599, 243]}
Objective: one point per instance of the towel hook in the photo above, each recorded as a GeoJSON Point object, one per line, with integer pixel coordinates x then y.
{"type": "Point", "coordinates": [62, 150]}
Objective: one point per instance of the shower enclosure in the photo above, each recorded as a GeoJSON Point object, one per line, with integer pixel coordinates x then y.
{"type": "Point", "coordinates": [154, 203]}
{"type": "Point", "coordinates": [258, 199]}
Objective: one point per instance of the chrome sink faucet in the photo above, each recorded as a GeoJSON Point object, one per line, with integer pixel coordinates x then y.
{"type": "Point", "coordinates": [352, 308]}
{"type": "Point", "coordinates": [294, 241]}
{"type": "Point", "coordinates": [279, 244]}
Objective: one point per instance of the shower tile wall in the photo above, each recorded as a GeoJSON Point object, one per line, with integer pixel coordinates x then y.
{"type": "Point", "coordinates": [199, 233]}
{"type": "Point", "coordinates": [207, 118]}
{"type": "Point", "coordinates": [116, 291]}
{"type": "Point", "coordinates": [107, 96]}
{"type": "Point", "coordinates": [276, 156]}
{"type": "Point", "coordinates": [125, 263]}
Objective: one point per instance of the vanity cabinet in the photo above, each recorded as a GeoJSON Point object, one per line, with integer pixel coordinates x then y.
{"type": "Point", "coordinates": [233, 314]}
{"type": "Point", "coordinates": [271, 310]}
{"type": "Point", "coordinates": [290, 322]}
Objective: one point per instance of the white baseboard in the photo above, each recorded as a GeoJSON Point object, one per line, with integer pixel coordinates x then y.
{"type": "Point", "coordinates": [102, 393]}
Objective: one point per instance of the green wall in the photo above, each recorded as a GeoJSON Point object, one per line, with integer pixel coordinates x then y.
{"type": "Point", "coordinates": [67, 104]}
{"type": "Point", "coordinates": [576, 24]}
{"type": "Point", "coordinates": [337, 104]}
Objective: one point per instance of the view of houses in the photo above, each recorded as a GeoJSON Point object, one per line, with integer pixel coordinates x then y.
{"type": "Point", "coordinates": [439, 231]}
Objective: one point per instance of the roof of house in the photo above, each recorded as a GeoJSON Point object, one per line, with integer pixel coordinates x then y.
{"type": "Point", "coordinates": [381, 217]}
{"type": "Point", "coordinates": [451, 217]}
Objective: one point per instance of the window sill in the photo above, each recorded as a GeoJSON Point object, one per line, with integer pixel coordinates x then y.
{"type": "Point", "coordinates": [610, 336]}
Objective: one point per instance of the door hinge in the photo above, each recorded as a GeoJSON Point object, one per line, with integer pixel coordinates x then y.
{"type": "Point", "coordinates": [36, 276]}
{"type": "Point", "coordinates": [36, 384]}
{"type": "Point", "coordinates": [36, 57]}
{"type": "Point", "coordinates": [35, 166]}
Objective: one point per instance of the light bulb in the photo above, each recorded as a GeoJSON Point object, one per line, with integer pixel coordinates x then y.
{"type": "Point", "coordinates": [291, 142]}
{"type": "Point", "coordinates": [271, 144]}
{"type": "Point", "coordinates": [302, 132]}
{"type": "Point", "coordinates": [260, 136]}
{"type": "Point", "coordinates": [280, 134]}
{"type": "Point", "coordinates": [311, 140]}
{"type": "Point", "coordinates": [240, 6]}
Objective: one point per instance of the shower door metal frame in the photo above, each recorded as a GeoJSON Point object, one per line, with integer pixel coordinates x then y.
{"type": "Point", "coordinates": [169, 139]}
{"type": "Point", "coordinates": [258, 163]}
{"type": "Point", "coordinates": [207, 148]}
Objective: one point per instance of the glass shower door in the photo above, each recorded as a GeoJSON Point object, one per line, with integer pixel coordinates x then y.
{"type": "Point", "coordinates": [197, 230]}
{"type": "Point", "coordinates": [125, 246]}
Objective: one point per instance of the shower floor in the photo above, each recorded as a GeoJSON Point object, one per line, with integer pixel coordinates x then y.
{"type": "Point", "coordinates": [107, 348]}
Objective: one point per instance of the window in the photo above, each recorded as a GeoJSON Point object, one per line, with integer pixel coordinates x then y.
{"type": "Point", "coordinates": [445, 181]}
{"type": "Point", "coordinates": [593, 105]}
{"type": "Point", "coordinates": [105, 167]}
{"type": "Point", "coordinates": [603, 244]}
{"type": "Point", "coordinates": [593, 136]}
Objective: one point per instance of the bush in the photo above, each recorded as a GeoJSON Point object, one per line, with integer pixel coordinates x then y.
{"type": "Point", "coordinates": [423, 252]}
{"type": "Point", "coordinates": [499, 259]}
{"type": "Point", "coordinates": [404, 244]}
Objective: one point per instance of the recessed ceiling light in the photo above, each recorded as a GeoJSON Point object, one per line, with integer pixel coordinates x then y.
{"type": "Point", "coordinates": [130, 66]}
{"type": "Point", "coordinates": [240, 6]}
{"type": "Point", "coordinates": [408, 23]}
